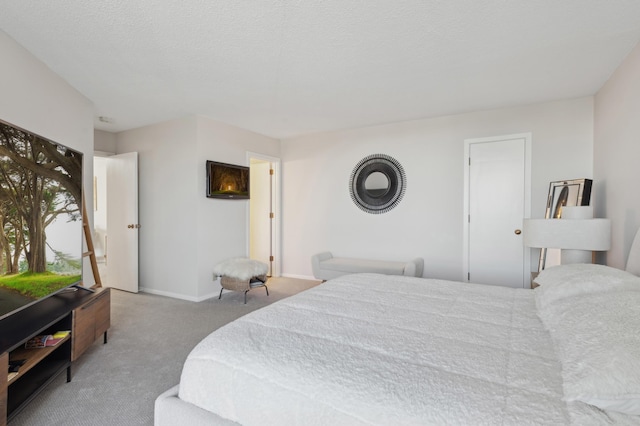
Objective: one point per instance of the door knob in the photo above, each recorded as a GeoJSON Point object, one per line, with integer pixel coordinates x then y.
{"type": "Point", "coordinates": [517, 232]}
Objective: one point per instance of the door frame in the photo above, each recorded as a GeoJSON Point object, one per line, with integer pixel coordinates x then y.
{"type": "Point", "coordinates": [527, 199]}
{"type": "Point", "coordinates": [276, 205]}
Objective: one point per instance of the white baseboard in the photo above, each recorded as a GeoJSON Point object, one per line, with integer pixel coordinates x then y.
{"type": "Point", "coordinates": [209, 296]}
{"type": "Point", "coordinates": [301, 277]}
{"type": "Point", "coordinates": [177, 295]}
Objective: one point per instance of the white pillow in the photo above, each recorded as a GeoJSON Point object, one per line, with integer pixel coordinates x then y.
{"type": "Point", "coordinates": [559, 282]}
{"type": "Point", "coordinates": [598, 344]}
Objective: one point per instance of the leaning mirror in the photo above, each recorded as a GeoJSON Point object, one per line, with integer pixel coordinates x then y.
{"type": "Point", "coordinates": [377, 183]}
{"type": "Point", "coordinates": [562, 193]}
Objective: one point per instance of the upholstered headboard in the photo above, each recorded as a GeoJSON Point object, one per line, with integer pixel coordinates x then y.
{"type": "Point", "coordinates": [633, 261]}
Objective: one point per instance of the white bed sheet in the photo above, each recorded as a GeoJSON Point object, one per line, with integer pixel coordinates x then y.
{"type": "Point", "coordinates": [377, 349]}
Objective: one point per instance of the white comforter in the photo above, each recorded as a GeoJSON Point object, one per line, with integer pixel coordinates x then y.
{"type": "Point", "coordinates": [375, 349]}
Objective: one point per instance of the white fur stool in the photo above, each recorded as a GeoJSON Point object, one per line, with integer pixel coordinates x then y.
{"type": "Point", "coordinates": [241, 274]}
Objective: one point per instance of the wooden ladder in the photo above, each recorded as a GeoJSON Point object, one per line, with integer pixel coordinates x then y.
{"type": "Point", "coordinates": [90, 249]}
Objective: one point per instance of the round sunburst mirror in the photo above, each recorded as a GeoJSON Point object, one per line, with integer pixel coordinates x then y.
{"type": "Point", "coordinates": [377, 183]}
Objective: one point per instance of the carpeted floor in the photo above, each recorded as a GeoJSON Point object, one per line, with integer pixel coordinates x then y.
{"type": "Point", "coordinates": [149, 339]}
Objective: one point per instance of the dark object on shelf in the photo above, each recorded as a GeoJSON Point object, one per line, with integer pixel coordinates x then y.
{"type": "Point", "coordinates": [15, 364]}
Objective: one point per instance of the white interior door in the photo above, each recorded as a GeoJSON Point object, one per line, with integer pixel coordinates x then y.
{"type": "Point", "coordinates": [122, 221]}
{"type": "Point", "coordinates": [498, 193]}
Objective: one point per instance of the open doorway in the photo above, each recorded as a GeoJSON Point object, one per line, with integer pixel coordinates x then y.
{"type": "Point", "coordinates": [100, 214]}
{"type": "Point", "coordinates": [116, 227]}
{"type": "Point", "coordinates": [264, 217]}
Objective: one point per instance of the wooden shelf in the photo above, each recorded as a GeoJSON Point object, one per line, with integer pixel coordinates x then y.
{"type": "Point", "coordinates": [41, 367]}
{"type": "Point", "coordinates": [32, 357]}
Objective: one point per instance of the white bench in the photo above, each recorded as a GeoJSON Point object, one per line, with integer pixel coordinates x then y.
{"type": "Point", "coordinates": [326, 267]}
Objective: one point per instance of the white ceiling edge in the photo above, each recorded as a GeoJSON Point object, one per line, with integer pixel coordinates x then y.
{"type": "Point", "coordinates": [285, 68]}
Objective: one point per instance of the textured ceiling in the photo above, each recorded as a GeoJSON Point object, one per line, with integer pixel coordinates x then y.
{"type": "Point", "coordinates": [289, 67]}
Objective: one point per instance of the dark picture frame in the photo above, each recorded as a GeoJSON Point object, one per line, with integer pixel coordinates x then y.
{"type": "Point", "coordinates": [227, 181]}
{"type": "Point", "coordinates": [571, 192]}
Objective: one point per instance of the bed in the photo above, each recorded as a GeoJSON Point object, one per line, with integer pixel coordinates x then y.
{"type": "Point", "coordinates": [375, 349]}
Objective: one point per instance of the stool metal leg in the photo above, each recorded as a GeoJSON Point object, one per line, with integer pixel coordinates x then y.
{"type": "Point", "coordinates": [220, 297]}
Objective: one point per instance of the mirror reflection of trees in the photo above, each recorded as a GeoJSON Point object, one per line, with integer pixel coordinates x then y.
{"type": "Point", "coordinates": [39, 181]}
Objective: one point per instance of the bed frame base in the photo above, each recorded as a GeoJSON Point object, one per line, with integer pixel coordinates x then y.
{"type": "Point", "coordinates": [170, 410]}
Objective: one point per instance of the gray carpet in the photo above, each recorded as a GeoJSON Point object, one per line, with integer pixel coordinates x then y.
{"type": "Point", "coordinates": [149, 339]}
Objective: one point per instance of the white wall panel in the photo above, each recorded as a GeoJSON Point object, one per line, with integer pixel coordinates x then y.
{"type": "Point", "coordinates": [617, 154]}
{"type": "Point", "coordinates": [319, 215]}
{"type": "Point", "coordinates": [167, 205]}
{"type": "Point", "coordinates": [223, 224]}
{"type": "Point", "coordinates": [38, 100]}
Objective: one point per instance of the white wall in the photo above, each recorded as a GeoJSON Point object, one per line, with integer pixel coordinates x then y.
{"type": "Point", "coordinates": [36, 99]}
{"type": "Point", "coordinates": [183, 233]}
{"type": "Point", "coordinates": [104, 142]}
{"type": "Point", "coordinates": [223, 225]}
{"type": "Point", "coordinates": [167, 176]}
{"type": "Point", "coordinates": [319, 215]}
{"type": "Point", "coordinates": [617, 154]}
